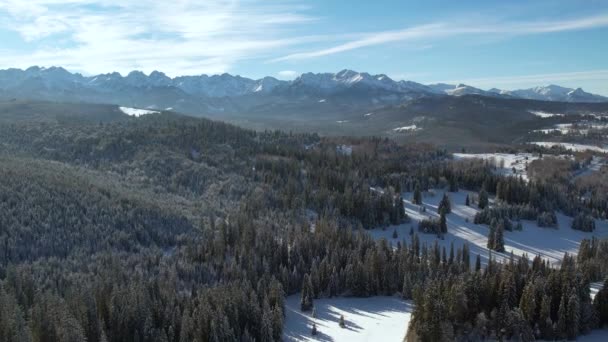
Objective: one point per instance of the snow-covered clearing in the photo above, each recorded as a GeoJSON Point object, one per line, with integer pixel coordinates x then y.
{"type": "Point", "coordinates": [549, 243]}
{"type": "Point", "coordinates": [367, 319]}
{"type": "Point", "coordinates": [136, 111]}
{"type": "Point", "coordinates": [544, 114]}
{"type": "Point", "coordinates": [410, 128]}
{"type": "Point", "coordinates": [565, 128]}
{"type": "Point", "coordinates": [570, 146]}
{"type": "Point", "coordinates": [504, 162]}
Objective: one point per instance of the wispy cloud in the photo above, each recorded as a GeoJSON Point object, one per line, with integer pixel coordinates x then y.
{"type": "Point", "coordinates": [182, 36]}
{"type": "Point", "coordinates": [424, 33]}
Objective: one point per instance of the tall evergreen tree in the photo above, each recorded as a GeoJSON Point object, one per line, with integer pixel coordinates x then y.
{"type": "Point", "coordinates": [499, 240]}
{"type": "Point", "coordinates": [443, 225]}
{"type": "Point", "coordinates": [482, 202]}
{"type": "Point", "coordinates": [417, 197]}
{"type": "Point", "coordinates": [444, 205]}
{"type": "Point", "coordinates": [307, 294]}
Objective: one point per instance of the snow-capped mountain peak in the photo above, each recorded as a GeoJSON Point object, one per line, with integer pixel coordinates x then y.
{"type": "Point", "coordinates": [379, 87]}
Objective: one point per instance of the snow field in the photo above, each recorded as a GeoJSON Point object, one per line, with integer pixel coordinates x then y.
{"type": "Point", "coordinates": [136, 111]}
{"type": "Point", "coordinates": [549, 243]}
{"type": "Point", "coordinates": [504, 162]}
{"type": "Point", "coordinates": [383, 319]}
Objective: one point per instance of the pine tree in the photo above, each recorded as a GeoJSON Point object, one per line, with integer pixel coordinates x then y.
{"type": "Point", "coordinates": [267, 334]}
{"type": "Point", "coordinates": [562, 318]}
{"type": "Point", "coordinates": [395, 234]}
{"type": "Point", "coordinates": [453, 184]}
{"type": "Point", "coordinates": [499, 240]}
{"type": "Point", "coordinates": [467, 202]}
{"type": "Point", "coordinates": [527, 303]}
{"type": "Point", "coordinates": [445, 206]}
{"type": "Point", "coordinates": [407, 291]}
{"type": "Point", "coordinates": [491, 237]}
{"type": "Point", "coordinates": [342, 322]}
{"type": "Point", "coordinates": [573, 316]}
{"type": "Point", "coordinates": [314, 329]}
{"type": "Point", "coordinates": [417, 198]}
{"type": "Point", "coordinates": [546, 324]}
{"type": "Point", "coordinates": [600, 303]}
{"type": "Point", "coordinates": [443, 226]}
{"type": "Point", "coordinates": [307, 294]}
{"type": "Point", "coordinates": [483, 199]}
{"type": "Point", "coordinates": [478, 263]}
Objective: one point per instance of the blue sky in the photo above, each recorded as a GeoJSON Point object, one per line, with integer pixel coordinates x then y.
{"type": "Point", "coordinates": [504, 44]}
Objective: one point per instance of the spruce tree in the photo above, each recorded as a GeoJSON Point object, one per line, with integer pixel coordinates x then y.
{"type": "Point", "coordinates": [491, 237]}
{"type": "Point", "coordinates": [600, 303]}
{"type": "Point", "coordinates": [408, 288]}
{"type": "Point", "coordinates": [444, 205]}
{"type": "Point", "coordinates": [499, 240]}
{"type": "Point", "coordinates": [307, 294]}
{"type": "Point", "coordinates": [573, 314]}
{"type": "Point", "coordinates": [443, 226]}
{"type": "Point", "coordinates": [562, 318]}
{"type": "Point", "coordinates": [483, 199]}
{"type": "Point", "coordinates": [467, 202]}
{"type": "Point", "coordinates": [417, 198]}
{"type": "Point", "coordinates": [527, 303]}
{"type": "Point", "coordinates": [546, 324]}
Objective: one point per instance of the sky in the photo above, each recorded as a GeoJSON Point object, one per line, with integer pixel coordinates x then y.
{"type": "Point", "coordinates": [504, 44]}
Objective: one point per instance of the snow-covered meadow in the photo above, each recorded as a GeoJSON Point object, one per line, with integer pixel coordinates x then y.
{"type": "Point", "coordinates": [544, 115]}
{"type": "Point", "coordinates": [367, 319]}
{"type": "Point", "coordinates": [549, 243]}
{"type": "Point", "coordinates": [137, 111]}
{"type": "Point", "coordinates": [505, 163]}
{"type": "Point", "coordinates": [410, 128]}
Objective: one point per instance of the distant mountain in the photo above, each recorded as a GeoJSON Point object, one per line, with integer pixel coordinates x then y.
{"type": "Point", "coordinates": [344, 91]}
{"type": "Point", "coordinates": [544, 93]}
{"type": "Point", "coordinates": [460, 90]}
{"type": "Point", "coordinates": [555, 93]}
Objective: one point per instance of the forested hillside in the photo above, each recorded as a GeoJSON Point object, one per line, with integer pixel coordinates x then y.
{"type": "Point", "coordinates": [170, 228]}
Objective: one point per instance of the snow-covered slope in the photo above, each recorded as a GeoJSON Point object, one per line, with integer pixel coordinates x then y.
{"type": "Point", "coordinates": [345, 79]}
{"type": "Point", "coordinates": [549, 243]}
{"type": "Point", "coordinates": [460, 90]}
{"type": "Point", "coordinates": [136, 111]}
{"type": "Point", "coordinates": [555, 93]}
{"type": "Point", "coordinates": [367, 319]}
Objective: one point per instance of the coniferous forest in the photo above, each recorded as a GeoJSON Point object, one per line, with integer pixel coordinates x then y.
{"type": "Point", "coordinates": [169, 228]}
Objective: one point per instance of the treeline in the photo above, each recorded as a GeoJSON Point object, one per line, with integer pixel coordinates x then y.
{"type": "Point", "coordinates": [520, 299]}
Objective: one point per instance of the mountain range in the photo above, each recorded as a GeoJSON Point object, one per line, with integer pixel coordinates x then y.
{"type": "Point", "coordinates": [204, 92]}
